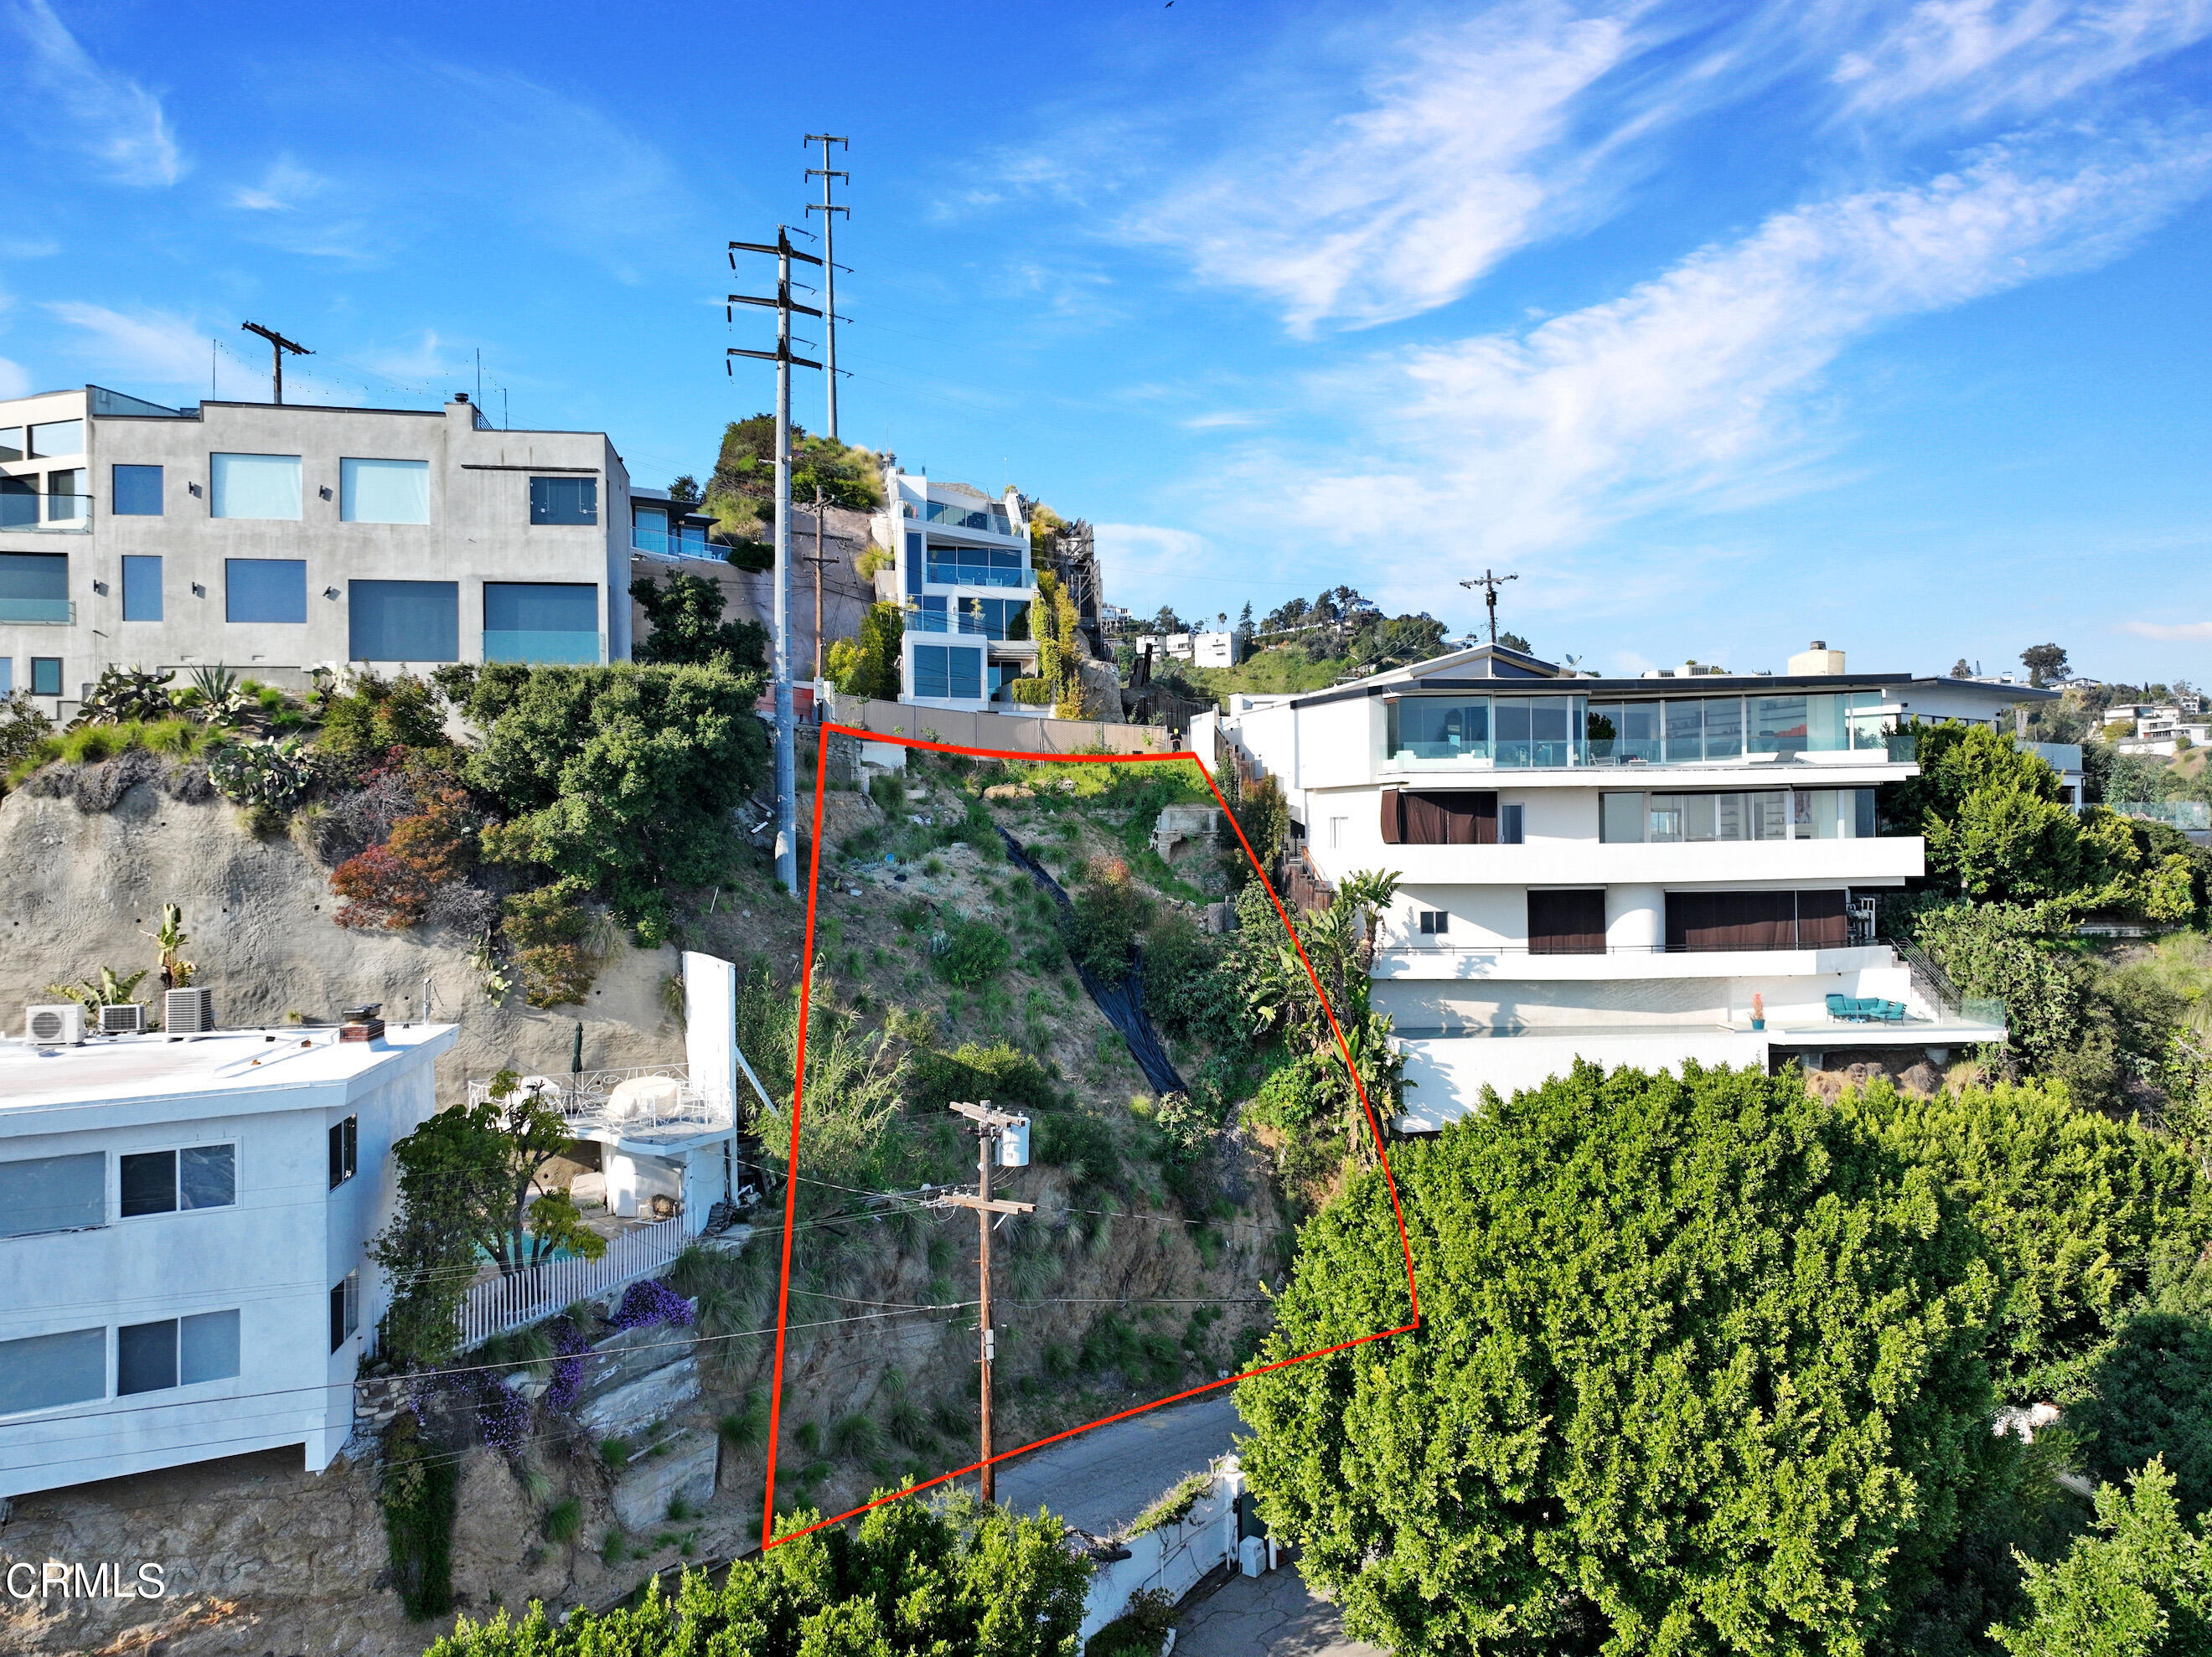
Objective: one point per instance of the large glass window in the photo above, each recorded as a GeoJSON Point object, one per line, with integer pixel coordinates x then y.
{"type": "Point", "coordinates": [1625, 730]}
{"type": "Point", "coordinates": [46, 676]}
{"type": "Point", "coordinates": [564, 499]}
{"type": "Point", "coordinates": [53, 1193]}
{"type": "Point", "coordinates": [1620, 818]}
{"type": "Point", "coordinates": [43, 1371]}
{"type": "Point", "coordinates": [264, 589]}
{"type": "Point", "coordinates": [57, 438]}
{"type": "Point", "coordinates": [19, 502]}
{"type": "Point", "coordinates": [1723, 721]}
{"type": "Point", "coordinates": [406, 621]}
{"type": "Point", "coordinates": [1438, 728]}
{"type": "Point", "coordinates": [34, 587]}
{"type": "Point", "coordinates": [254, 486]}
{"type": "Point", "coordinates": [384, 491]}
{"type": "Point", "coordinates": [1533, 731]}
{"type": "Point", "coordinates": [151, 1357]}
{"type": "Point", "coordinates": [65, 498]}
{"type": "Point", "coordinates": [977, 567]}
{"type": "Point", "coordinates": [163, 1181]}
{"type": "Point", "coordinates": [137, 491]}
{"type": "Point", "coordinates": [541, 622]}
{"type": "Point", "coordinates": [141, 587]}
{"type": "Point", "coordinates": [1797, 724]}
{"type": "Point", "coordinates": [947, 671]}
{"type": "Point", "coordinates": [11, 442]}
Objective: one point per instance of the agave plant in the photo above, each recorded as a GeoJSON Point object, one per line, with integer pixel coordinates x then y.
{"type": "Point", "coordinates": [221, 699]}
{"type": "Point", "coordinates": [127, 694]}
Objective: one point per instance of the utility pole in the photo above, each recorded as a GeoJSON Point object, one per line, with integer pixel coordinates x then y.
{"type": "Point", "coordinates": [817, 561]}
{"type": "Point", "coordinates": [1490, 584]}
{"type": "Point", "coordinates": [1007, 1138]}
{"type": "Point", "coordinates": [278, 346]}
{"type": "Point", "coordinates": [829, 213]}
{"type": "Point", "coordinates": [787, 797]}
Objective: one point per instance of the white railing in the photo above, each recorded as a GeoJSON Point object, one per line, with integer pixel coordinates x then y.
{"type": "Point", "coordinates": [587, 1101]}
{"type": "Point", "coordinates": [499, 1304]}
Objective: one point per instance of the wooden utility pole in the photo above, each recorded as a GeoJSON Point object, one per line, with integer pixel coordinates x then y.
{"type": "Point", "coordinates": [1490, 584]}
{"type": "Point", "coordinates": [990, 1127]}
{"type": "Point", "coordinates": [278, 346]}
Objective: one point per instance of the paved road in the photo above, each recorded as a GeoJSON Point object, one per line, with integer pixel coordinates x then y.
{"type": "Point", "coordinates": [1272, 1616]}
{"type": "Point", "coordinates": [1108, 1476]}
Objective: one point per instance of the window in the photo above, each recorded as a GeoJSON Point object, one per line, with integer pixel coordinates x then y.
{"type": "Point", "coordinates": [345, 1150]}
{"type": "Point", "coordinates": [1439, 816]}
{"type": "Point", "coordinates": [977, 567]}
{"type": "Point", "coordinates": [1535, 730]}
{"type": "Point", "coordinates": [254, 486]}
{"type": "Point", "coordinates": [151, 1357]}
{"type": "Point", "coordinates": [1798, 725]}
{"type": "Point", "coordinates": [53, 1193]}
{"type": "Point", "coordinates": [11, 442]}
{"type": "Point", "coordinates": [345, 1308]}
{"type": "Point", "coordinates": [648, 528]}
{"type": "Point", "coordinates": [541, 622]}
{"type": "Point", "coordinates": [913, 564]}
{"type": "Point", "coordinates": [46, 676]}
{"type": "Point", "coordinates": [1567, 923]}
{"type": "Point", "coordinates": [43, 1372]}
{"type": "Point", "coordinates": [56, 438]}
{"type": "Point", "coordinates": [1340, 833]}
{"type": "Point", "coordinates": [34, 587]}
{"type": "Point", "coordinates": [136, 491]}
{"type": "Point", "coordinates": [65, 501]}
{"type": "Point", "coordinates": [163, 1181]}
{"type": "Point", "coordinates": [1756, 921]}
{"type": "Point", "coordinates": [1620, 818]}
{"type": "Point", "coordinates": [1509, 820]}
{"type": "Point", "coordinates": [1435, 922]}
{"type": "Point", "coordinates": [141, 587]}
{"type": "Point", "coordinates": [264, 589]}
{"type": "Point", "coordinates": [7, 674]}
{"type": "Point", "coordinates": [406, 621]}
{"type": "Point", "coordinates": [1626, 730]}
{"type": "Point", "coordinates": [1437, 728]}
{"type": "Point", "coordinates": [19, 502]}
{"type": "Point", "coordinates": [564, 499]}
{"type": "Point", "coordinates": [947, 671]}
{"type": "Point", "coordinates": [384, 491]}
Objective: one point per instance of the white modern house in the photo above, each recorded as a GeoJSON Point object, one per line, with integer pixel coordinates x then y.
{"type": "Point", "coordinates": [964, 580]}
{"type": "Point", "coordinates": [1625, 871]}
{"type": "Point", "coordinates": [274, 538]}
{"type": "Point", "coordinates": [183, 1233]}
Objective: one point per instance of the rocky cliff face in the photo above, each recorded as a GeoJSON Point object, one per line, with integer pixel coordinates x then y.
{"type": "Point", "coordinates": [86, 886]}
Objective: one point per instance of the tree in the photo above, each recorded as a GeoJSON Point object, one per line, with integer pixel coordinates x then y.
{"type": "Point", "coordinates": [684, 491]}
{"type": "Point", "coordinates": [2141, 1587]}
{"type": "Point", "coordinates": [684, 625]}
{"type": "Point", "coordinates": [623, 777]}
{"type": "Point", "coordinates": [1053, 623]}
{"type": "Point", "coordinates": [2150, 1398]}
{"type": "Point", "coordinates": [1962, 669]}
{"type": "Point", "coordinates": [1697, 1371]}
{"type": "Point", "coordinates": [1165, 621]}
{"type": "Point", "coordinates": [909, 1582]}
{"type": "Point", "coordinates": [1514, 642]}
{"type": "Point", "coordinates": [2044, 663]}
{"type": "Point", "coordinates": [1244, 625]}
{"type": "Point", "coordinates": [867, 665]}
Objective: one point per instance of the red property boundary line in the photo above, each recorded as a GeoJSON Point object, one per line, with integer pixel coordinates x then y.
{"type": "Point", "coordinates": [769, 1537]}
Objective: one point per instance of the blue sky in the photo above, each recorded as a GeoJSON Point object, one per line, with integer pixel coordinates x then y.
{"type": "Point", "coordinates": [1724, 326]}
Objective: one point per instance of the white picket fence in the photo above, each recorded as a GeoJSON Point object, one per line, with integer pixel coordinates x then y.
{"type": "Point", "coordinates": [499, 1304]}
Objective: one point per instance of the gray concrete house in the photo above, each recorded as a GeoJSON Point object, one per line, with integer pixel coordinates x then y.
{"type": "Point", "coordinates": [272, 539]}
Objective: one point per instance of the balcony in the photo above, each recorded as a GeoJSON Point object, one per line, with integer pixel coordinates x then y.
{"type": "Point", "coordinates": [39, 612]}
{"type": "Point", "coordinates": [992, 520]}
{"type": "Point", "coordinates": [672, 543]}
{"type": "Point", "coordinates": [26, 512]}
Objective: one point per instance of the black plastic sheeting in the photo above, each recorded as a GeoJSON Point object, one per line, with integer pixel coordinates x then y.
{"type": "Point", "coordinates": [1124, 1003]}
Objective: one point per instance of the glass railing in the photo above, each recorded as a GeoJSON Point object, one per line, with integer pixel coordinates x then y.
{"type": "Point", "coordinates": [993, 521]}
{"type": "Point", "coordinates": [574, 649]}
{"type": "Point", "coordinates": [26, 511]}
{"type": "Point", "coordinates": [667, 544]}
{"type": "Point", "coordinates": [944, 571]}
{"type": "Point", "coordinates": [936, 621]}
{"type": "Point", "coordinates": [55, 612]}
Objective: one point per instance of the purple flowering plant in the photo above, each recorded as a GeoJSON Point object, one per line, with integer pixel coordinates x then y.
{"type": "Point", "coordinates": [651, 1302]}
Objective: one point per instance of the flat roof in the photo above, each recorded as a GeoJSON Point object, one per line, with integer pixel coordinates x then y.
{"type": "Point", "coordinates": [124, 1069]}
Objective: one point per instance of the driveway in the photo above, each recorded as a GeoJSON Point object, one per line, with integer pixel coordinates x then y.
{"type": "Point", "coordinates": [1099, 1480]}
{"type": "Point", "coordinates": [1276, 1614]}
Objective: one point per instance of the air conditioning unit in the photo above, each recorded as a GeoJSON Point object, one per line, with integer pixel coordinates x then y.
{"type": "Point", "coordinates": [56, 1026]}
{"type": "Point", "coordinates": [128, 1019]}
{"type": "Point", "coordinates": [188, 1013]}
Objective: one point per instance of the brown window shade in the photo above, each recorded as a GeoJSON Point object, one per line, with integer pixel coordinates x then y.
{"type": "Point", "coordinates": [1756, 921]}
{"type": "Point", "coordinates": [1449, 816]}
{"type": "Point", "coordinates": [1394, 818]}
{"type": "Point", "coordinates": [1567, 923]}
{"type": "Point", "coordinates": [1822, 922]}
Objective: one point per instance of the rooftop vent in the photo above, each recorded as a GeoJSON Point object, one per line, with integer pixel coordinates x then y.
{"type": "Point", "coordinates": [1819, 661]}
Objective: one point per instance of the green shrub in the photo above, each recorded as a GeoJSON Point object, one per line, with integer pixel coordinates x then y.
{"type": "Point", "coordinates": [1109, 913]}
{"type": "Point", "coordinates": [375, 715]}
{"type": "Point", "coordinates": [856, 1437]}
{"type": "Point", "coordinates": [416, 1493]}
{"type": "Point", "coordinates": [548, 929]}
{"type": "Point", "coordinates": [975, 952]}
{"type": "Point", "coordinates": [1140, 1631]}
{"type": "Point", "coordinates": [1001, 1073]}
{"type": "Point", "coordinates": [1190, 994]}
{"type": "Point", "coordinates": [1031, 692]}
{"type": "Point", "coordinates": [564, 1520]}
{"type": "Point", "coordinates": [615, 1453]}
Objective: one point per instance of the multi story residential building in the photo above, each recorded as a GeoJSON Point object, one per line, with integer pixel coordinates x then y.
{"type": "Point", "coordinates": [183, 1225]}
{"type": "Point", "coordinates": [272, 539]}
{"type": "Point", "coordinates": [1628, 870]}
{"type": "Point", "coordinates": [964, 577]}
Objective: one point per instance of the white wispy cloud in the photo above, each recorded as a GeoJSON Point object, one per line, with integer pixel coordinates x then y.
{"type": "Point", "coordinates": [62, 95]}
{"type": "Point", "coordinates": [1691, 389]}
{"type": "Point", "coordinates": [14, 382]}
{"type": "Point", "coordinates": [159, 345]}
{"type": "Point", "coordinates": [2171, 632]}
{"type": "Point", "coordinates": [285, 187]}
{"type": "Point", "coordinates": [1453, 158]}
{"type": "Point", "coordinates": [1978, 57]}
